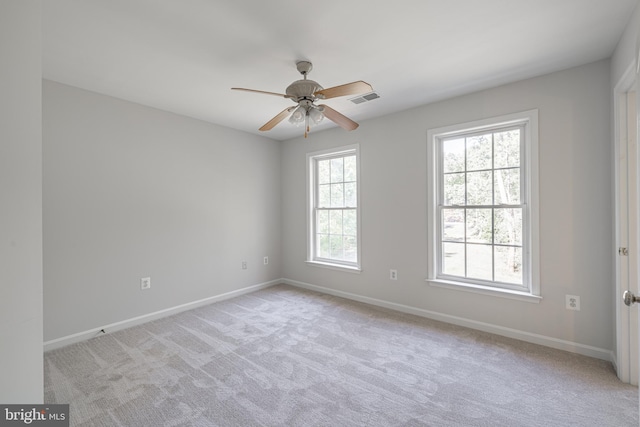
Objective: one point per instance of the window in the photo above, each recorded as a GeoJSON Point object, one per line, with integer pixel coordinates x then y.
{"type": "Point", "coordinates": [483, 212]}
{"type": "Point", "coordinates": [333, 218]}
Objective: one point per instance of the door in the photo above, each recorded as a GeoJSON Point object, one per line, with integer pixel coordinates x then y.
{"type": "Point", "coordinates": [626, 207]}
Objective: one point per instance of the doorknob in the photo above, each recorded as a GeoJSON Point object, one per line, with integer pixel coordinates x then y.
{"type": "Point", "coordinates": [629, 298]}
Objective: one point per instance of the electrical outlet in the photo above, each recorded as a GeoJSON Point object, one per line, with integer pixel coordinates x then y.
{"type": "Point", "coordinates": [266, 260]}
{"type": "Point", "coordinates": [572, 302]}
{"type": "Point", "coordinates": [244, 265]}
{"type": "Point", "coordinates": [393, 274]}
{"type": "Point", "coordinates": [145, 283]}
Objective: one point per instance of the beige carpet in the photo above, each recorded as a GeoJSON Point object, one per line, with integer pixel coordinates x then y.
{"type": "Point", "coordinates": [289, 357]}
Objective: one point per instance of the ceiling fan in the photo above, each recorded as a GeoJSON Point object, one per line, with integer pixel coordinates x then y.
{"type": "Point", "coordinates": [305, 93]}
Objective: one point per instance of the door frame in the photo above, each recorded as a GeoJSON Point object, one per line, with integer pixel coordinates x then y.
{"type": "Point", "coordinates": [622, 359]}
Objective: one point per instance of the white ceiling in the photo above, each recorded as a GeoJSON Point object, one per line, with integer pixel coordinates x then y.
{"type": "Point", "coordinates": [184, 56]}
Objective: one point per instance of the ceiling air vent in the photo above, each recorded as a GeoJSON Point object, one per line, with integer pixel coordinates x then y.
{"type": "Point", "coordinates": [365, 98]}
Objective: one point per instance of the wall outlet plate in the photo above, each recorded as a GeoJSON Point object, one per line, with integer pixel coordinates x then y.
{"type": "Point", "coordinates": [393, 274]}
{"type": "Point", "coordinates": [244, 265]}
{"type": "Point", "coordinates": [145, 283]}
{"type": "Point", "coordinates": [572, 302]}
{"type": "Point", "coordinates": [266, 260]}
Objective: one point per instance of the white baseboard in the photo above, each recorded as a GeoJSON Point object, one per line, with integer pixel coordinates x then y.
{"type": "Point", "coordinates": [586, 350]}
{"type": "Point", "coordinates": [91, 333]}
{"type": "Point", "coordinates": [570, 346]}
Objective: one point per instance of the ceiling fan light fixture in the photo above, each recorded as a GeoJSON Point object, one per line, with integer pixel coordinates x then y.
{"type": "Point", "coordinates": [315, 115]}
{"type": "Point", "coordinates": [298, 115]}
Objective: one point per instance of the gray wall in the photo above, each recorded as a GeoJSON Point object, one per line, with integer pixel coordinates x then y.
{"type": "Point", "coordinates": [21, 375]}
{"type": "Point", "coordinates": [575, 207]}
{"type": "Point", "coordinates": [130, 192]}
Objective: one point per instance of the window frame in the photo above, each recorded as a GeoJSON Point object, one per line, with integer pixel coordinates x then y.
{"type": "Point", "coordinates": [530, 290]}
{"type": "Point", "coordinates": [312, 208]}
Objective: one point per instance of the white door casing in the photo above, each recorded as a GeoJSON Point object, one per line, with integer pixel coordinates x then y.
{"type": "Point", "coordinates": [632, 242]}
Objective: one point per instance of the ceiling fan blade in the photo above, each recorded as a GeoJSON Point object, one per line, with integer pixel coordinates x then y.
{"type": "Point", "coordinates": [353, 88]}
{"type": "Point", "coordinates": [338, 118]}
{"type": "Point", "coordinates": [261, 91]}
{"type": "Point", "coordinates": [277, 119]}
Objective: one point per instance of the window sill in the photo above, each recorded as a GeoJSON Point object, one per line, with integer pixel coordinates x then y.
{"type": "Point", "coordinates": [338, 267]}
{"type": "Point", "coordinates": [485, 290]}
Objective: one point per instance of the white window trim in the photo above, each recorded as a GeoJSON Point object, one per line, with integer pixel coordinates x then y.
{"type": "Point", "coordinates": [311, 177]}
{"type": "Point", "coordinates": [532, 249]}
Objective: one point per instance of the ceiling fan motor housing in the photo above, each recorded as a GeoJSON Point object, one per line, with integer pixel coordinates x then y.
{"type": "Point", "coordinates": [303, 89]}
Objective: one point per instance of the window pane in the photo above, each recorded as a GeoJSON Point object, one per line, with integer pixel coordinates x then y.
{"type": "Point", "coordinates": [322, 222]}
{"type": "Point", "coordinates": [350, 168]}
{"type": "Point", "coordinates": [507, 187]}
{"type": "Point", "coordinates": [337, 170]}
{"type": "Point", "coordinates": [508, 264]}
{"type": "Point", "coordinates": [479, 188]}
{"type": "Point", "coordinates": [350, 249]}
{"type": "Point", "coordinates": [323, 172]}
{"type": "Point", "coordinates": [454, 189]}
{"type": "Point", "coordinates": [322, 249]}
{"type": "Point", "coordinates": [337, 247]}
{"type": "Point", "coordinates": [335, 222]}
{"type": "Point", "coordinates": [453, 259]}
{"type": "Point", "coordinates": [482, 202]}
{"type": "Point", "coordinates": [453, 155]}
{"type": "Point", "coordinates": [479, 154]}
{"type": "Point", "coordinates": [479, 262]}
{"type": "Point", "coordinates": [350, 195]}
{"type": "Point", "coordinates": [337, 195]}
{"type": "Point", "coordinates": [479, 226]}
{"type": "Point", "coordinates": [334, 217]}
{"type": "Point", "coordinates": [349, 222]}
{"type": "Point", "coordinates": [508, 226]}
{"type": "Point", "coordinates": [453, 225]}
{"type": "Point", "coordinates": [507, 149]}
{"type": "Point", "coordinates": [324, 196]}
